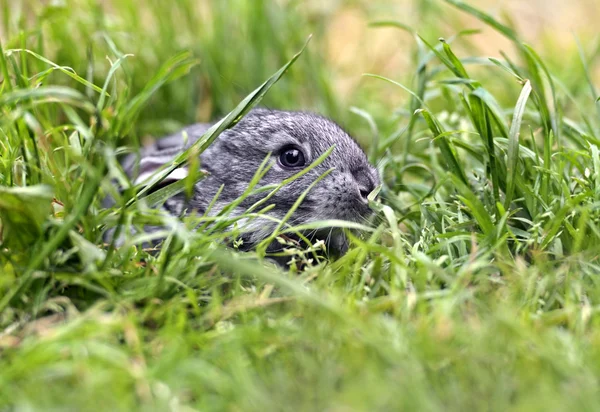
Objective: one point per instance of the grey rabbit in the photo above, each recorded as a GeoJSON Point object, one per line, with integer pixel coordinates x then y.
{"type": "Point", "coordinates": [294, 140]}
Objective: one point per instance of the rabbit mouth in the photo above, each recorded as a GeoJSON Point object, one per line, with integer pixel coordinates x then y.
{"type": "Point", "coordinates": [334, 239]}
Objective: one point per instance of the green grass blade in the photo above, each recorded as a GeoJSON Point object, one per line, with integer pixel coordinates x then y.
{"type": "Point", "coordinates": [486, 18]}
{"type": "Point", "coordinates": [65, 70]}
{"type": "Point", "coordinates": [513, 145]}
{"type": "Point", "coordinates": [448, 155]}
{"type": "Point", "coordinates": [474, 206]}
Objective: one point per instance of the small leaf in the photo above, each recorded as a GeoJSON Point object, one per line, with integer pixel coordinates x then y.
{"type": "Point", "coordinates": [23, 211]}
{"type": "Point", "coordinates": [89, 253]}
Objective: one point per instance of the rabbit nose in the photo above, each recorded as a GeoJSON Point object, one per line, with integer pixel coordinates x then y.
{"type": "Point", "coordinates": [364, 192]}
{"type": "Point", "coordinates": [365, 184]}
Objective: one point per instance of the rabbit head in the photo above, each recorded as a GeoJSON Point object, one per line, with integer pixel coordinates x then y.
{"type": "Point", "coordinates": [293, 140]}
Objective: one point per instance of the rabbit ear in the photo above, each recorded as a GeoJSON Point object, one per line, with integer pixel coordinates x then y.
{"type": "Point", "coordinates": [149, 165]}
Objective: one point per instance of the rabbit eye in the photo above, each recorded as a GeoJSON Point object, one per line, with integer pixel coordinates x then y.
{"type": "Point", "coordinates": [291, 157]}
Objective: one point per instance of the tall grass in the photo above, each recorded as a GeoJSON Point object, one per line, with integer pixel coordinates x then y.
{"type": "Point", "coordinates": [476, 288]}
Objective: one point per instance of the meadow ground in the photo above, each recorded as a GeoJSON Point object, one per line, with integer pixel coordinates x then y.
{"type": "Point", "coordinates": [476, 289]}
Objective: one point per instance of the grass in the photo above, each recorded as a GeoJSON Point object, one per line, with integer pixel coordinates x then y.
{"type": "Point", "coordinates": [476, 289]}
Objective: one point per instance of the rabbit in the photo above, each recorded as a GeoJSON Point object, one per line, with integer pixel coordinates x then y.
{"type": "Point", "coordinates": [293, 140]}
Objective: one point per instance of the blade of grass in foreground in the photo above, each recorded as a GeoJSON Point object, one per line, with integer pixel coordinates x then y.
{"type": "Point", "coordinates": [228, 121]}
{"type": "Point", "coordinates": [513, 143]}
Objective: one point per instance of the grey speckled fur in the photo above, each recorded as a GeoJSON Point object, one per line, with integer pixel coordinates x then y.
{"type": "Point", "coordinates": [234, 157]}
